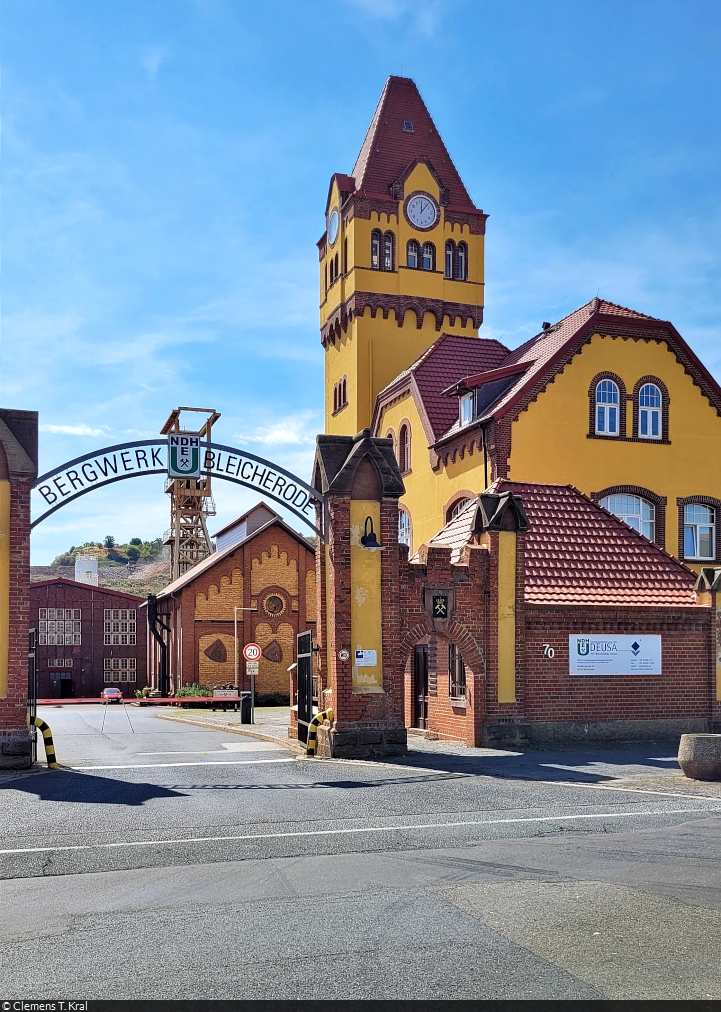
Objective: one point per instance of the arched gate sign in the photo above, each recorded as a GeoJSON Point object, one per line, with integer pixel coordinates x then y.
{"type": "Point", "coordinates": [77, 477]}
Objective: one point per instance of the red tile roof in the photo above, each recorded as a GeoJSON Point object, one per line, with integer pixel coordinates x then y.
{"type": "Point", "coordinates": [579, 553]}
{"type": "Point", "coordinates": [540, 351]}
{"type": "Point", "coordinates": [388, 150]}
{"type": "Point", "coordinates": [448, 359]}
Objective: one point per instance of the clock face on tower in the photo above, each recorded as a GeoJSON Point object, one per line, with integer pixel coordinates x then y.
{"type": "Point", "coordinates": [422, 210]}
{"type": "Point", "coordinates": [333, 221]}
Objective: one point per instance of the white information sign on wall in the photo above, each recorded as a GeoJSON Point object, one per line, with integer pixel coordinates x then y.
{"type": "Point", "coordinates": [606, 654]}
{"type": "Point", "coordinates": [365, 658]}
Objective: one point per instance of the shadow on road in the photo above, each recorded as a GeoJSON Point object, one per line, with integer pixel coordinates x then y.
{"type": "Point", "coordinates": [78, 788]}
{"type": "Point", "coordinates": [590, 765]}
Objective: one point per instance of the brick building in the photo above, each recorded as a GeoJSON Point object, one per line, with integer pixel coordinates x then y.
{"type": "Point", "coordinates": [88, 638]}
{"type": "Point", "coordinates": [18, 470]}
{"type": "Point", "coordinates": [525, 572]}
{"type": "Point", "coordinates": [263, 568]}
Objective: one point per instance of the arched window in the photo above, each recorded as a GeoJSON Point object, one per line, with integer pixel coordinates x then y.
{"type": "Point", "coordinates": [404, 449]}
{"type": "Point", "coordinates": [428, 259]}
{"type": "Point", "coordinates": [412, 254]}
{"type": "Point", "coordinates": [325, 275]}
{"type": "Point", "coordinates": [649, 412]}
{"type": "Point", "coordinates": [462, 261]}
{"type": "Point", "coordinates": [607, 405]}
{"type": "Point", "coordinates": [633, 510]}
{"type": "Point", "coordinates": [335, 269]}
{"type": "Point", "coordinates": [345, 256]}
{"type": "Point", "coordinates": [699, 531]}
{"type": "Point", "coordinates": [388, 251]}
{"type": "Point", "coordinates": [340, 394]}
{"type": "Point", "coordinates": [404, 527]}
{"type": "Point", "coordinates": [376, 250]}
{"type": "Point", "coordinates": [457, 508]}
{"type": "Point", "coordinates": [450, 250]}
{"type": "Point", "coordinates": [456, 673]}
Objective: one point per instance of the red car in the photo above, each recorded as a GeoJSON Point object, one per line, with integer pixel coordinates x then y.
{"type": "Point", "coordinates": [111, 695]}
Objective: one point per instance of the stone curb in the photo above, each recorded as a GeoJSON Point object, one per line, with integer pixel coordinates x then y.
{"type": "Point", "coordinates": [289, 743]}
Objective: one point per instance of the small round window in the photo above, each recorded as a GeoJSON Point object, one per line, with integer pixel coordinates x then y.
{"type": "Point", "coordinates": [274, 605]}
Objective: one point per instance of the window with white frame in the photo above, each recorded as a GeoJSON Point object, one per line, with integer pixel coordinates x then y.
{"type": "Point", "coordinates": [404, 528]}
{"type": "Point", "coordinates": [457, 508]}
{"type": "Point", "coordinates": [633, 510]}
{"type": "Point", "coordinates": [412, 254]}
{"type": "Point", "coordinates": [699, 531]}
{"type": "Point", "coordinates": [119, 627]}
{"type": "Point", "coordinates": [450, 250]}
{"type": "Point", "coordinates": [120, 669]}
{"type": "Point", "coordinates": [466, 409]}
{"type": "Point", "coordinates": [607, 408]}
{"type": "Point", "coordinates": [462, 261]}
{"type": "Point", "coordinates": [60, 662]}
{"type": "Point", "coordinates": [428, 257]}
{"type": "Point", "coordinates": [649, 412]}
{"type": "Point", "coordinates": [59, 627]}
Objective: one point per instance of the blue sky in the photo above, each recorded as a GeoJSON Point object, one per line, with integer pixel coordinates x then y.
{"type": "Point", "coordinates": [165, 168]}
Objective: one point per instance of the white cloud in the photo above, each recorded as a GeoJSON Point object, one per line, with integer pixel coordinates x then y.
{"type": "Point", "coordinates": [72, 430]}
{"type": "Point", "coordinates": [293, 430]}
{"type": "Point", "coordinates": [424, 15]}
{"type": "Point", "coordinates": [153, 58]}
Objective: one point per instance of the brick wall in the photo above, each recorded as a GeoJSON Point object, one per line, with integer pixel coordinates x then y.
{"type": "Point", "coordinates": [13, 707]}
{"type": "Point", "coordinates": [549, 701]}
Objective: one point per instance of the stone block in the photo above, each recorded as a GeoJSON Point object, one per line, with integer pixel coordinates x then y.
{"type": "Point", "coordinates": [396, 736]}
{"type": "Point", "coordinates": [16, 745]}
{"type": "Point", "coordinates": [699, 756]}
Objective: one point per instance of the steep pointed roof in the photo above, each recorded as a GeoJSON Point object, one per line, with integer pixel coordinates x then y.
{"type": "Point", "coordinates": [388, 150]}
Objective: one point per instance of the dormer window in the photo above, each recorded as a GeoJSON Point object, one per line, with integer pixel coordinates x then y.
{"type": "Point", "coordinates": [466, 409]}
{"type": "Point", "coordinates": [408, 126]}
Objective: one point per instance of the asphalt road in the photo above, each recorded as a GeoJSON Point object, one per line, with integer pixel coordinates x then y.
{"type": "Point", "coordinates": [178, 862]}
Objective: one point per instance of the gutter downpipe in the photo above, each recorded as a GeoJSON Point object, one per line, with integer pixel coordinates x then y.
{"type": "Point", "coordinates": [485, 458]}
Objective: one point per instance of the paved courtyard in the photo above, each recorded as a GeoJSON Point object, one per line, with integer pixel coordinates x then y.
{"type": "Point", "coordinates": [199, 862]}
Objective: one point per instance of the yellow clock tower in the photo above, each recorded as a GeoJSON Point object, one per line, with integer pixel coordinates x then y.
{"type": "Point", "coordinates": [401, 259]}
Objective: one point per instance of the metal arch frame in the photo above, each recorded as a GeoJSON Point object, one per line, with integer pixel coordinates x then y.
{"type": "Point", "coordinates": [313, 494]}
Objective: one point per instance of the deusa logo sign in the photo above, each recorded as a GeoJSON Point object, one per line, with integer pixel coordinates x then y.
{"type": "Point", "coordinates": [183, 455]}
{"type": "Point", "coordinates": [614, 655]}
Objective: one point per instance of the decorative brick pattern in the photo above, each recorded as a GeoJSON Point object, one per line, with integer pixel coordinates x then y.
{"type": "Point", "coordinates": [356, 305]}
{"type": "Point", "coordinates": [274, 568]}
{"type": "Point", "coordinates": [218, 602]}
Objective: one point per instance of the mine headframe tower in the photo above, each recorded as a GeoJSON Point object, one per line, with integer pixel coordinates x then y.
{"type": "Point", "coordinates": [191, 502]}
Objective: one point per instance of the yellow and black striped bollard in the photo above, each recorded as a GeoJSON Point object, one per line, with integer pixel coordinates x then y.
{"type": "Point", "coordinates": [313, 729]}
{"type": "Point", "coordinates": [47, 741]}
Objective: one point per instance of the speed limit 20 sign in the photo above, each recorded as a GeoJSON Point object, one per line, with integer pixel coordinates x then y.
{"type": "Point", "coordinates": [251, 652]}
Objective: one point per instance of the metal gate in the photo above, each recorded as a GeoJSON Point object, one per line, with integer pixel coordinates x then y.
{"type": "Point", "coordinates": [305, 683]}
{"type": "Point", "coordinates": [33, 688]}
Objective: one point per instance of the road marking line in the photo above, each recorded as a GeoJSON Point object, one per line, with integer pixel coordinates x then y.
{"type": "Point", "coordinates": [363, 829]}
{"type": "Point", "coordinates": [630, 790]}
{"type": "Point", "coordinates": [218, 762]}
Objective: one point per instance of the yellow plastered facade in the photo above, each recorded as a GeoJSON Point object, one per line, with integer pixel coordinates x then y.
{"type": "Point", "coordinates": [506, 617]}
{"type": "Point", "coordinates": [428, 493]}
{"type": "Point", "coordinates": [4, 585]}
{"type": "Point", "coordinates": [550, 441]}
{"type": "Point", "coordinates": [374, 350]}
{"type": "Point", "coordinates": [366, 617]}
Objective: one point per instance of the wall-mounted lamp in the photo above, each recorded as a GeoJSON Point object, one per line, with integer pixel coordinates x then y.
{"type": "Point", "coordinates": [369, 539]}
